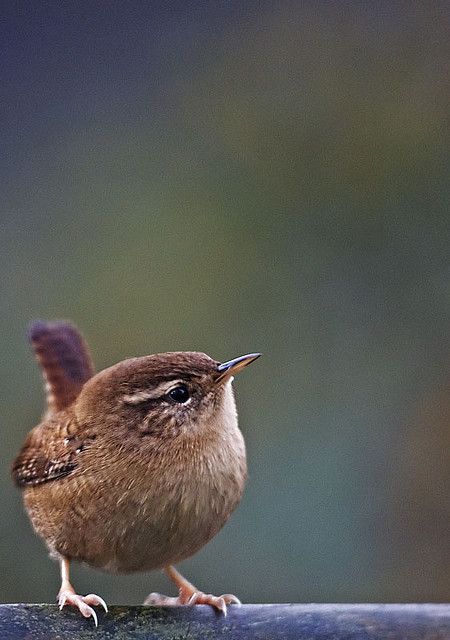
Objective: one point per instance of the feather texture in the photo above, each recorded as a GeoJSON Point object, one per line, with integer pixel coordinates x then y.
{"type": "Point", "coordinates": [50, 452]}
{"type": "Point", "coordinates": [64, 359]}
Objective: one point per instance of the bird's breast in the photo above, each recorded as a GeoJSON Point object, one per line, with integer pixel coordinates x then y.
{"type": "Point", "coordinates": [167, 516]}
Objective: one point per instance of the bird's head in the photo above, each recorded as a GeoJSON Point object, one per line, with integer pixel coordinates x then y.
{"type": "Point", "coordinates": [161, 396]}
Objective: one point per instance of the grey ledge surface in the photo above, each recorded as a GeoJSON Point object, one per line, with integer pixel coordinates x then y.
{"type": "Point", "coordinates": [256, 621]}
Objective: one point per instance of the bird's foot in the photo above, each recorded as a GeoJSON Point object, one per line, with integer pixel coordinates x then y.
{"type": "Point", "coordinates": [66, 596]}
{"type": "Point", "coordinates": [192, 597]}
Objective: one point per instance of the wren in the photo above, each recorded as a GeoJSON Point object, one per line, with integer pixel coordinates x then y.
{"type": "Point", "coordinates": [134, 468]}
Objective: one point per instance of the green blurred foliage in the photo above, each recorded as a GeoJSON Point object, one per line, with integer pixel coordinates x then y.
{"type": "Point", "coordinates": [270, 177]}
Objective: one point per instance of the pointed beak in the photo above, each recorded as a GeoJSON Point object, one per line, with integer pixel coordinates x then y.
{"type": "Point", "coordinates": [230, 368]}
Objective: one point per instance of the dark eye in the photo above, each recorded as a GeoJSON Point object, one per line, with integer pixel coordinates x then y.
{"type": "Point", "coordinates": [179, 394]}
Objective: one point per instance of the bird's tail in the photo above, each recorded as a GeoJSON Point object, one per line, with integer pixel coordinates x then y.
{"type": "Point", "coordinates": [64, 359]}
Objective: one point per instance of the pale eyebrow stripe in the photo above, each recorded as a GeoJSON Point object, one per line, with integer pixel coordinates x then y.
{"type": "Point", "coordinates": [139, 396]}
{"type": "Point", "coordinates": [149, 394]}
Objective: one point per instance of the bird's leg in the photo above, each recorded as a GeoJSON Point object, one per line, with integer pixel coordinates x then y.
{"type": "Point", "coordinates": [190, 595]}
{"type": "Point", "coordinates": [67, 595]}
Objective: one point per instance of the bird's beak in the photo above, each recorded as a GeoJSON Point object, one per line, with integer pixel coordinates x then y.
{"type": "Point", "coordinates": [230, 368]}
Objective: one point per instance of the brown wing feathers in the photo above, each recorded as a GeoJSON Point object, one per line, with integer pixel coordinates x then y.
{"type": "Point", "coordinates": [51, 449]}
{"type": "Point", "coordinates": [43, 457]}
{"type": "Point", "coordinates": [65, 361]}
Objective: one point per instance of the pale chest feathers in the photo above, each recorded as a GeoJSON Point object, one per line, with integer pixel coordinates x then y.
{"type": "Point", "coordinates": [165, 518]}
{"type": "Point", "coordinates": [204, 482]}
{"type": "Point", "coordinates": [207, 469]}
{"type": "Point", "coordinates": [212, 481]}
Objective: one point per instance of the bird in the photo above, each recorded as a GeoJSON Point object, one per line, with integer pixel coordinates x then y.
{"type": "Point", "coordinates": [134, 468]}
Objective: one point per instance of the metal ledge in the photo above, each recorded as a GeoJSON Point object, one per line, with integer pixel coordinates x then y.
{"type": "Point", "coordinates": [258, 622]}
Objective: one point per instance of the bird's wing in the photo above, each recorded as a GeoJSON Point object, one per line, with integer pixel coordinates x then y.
{"type": "Point", "coordinates": [50, 451]}
{"type": "Point", "coordinates": [64, 359]}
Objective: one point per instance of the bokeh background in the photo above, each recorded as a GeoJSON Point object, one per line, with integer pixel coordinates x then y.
{"type": "Point", "coordinates": [231, 177]}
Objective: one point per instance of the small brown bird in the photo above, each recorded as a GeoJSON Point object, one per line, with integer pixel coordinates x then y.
{"type": "Point", "coordinates": [134, 468]}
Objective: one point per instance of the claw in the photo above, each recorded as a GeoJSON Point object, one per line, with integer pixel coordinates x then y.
{"type": "Point", "coordinates": [231, 599]}
{"type": "Point", "coordinates": [82, 603]}
{"type": "Point", "coordinates": [191, 599]}
{"type": "Point", "coordinates": [89, 612]}
{"type": "Point", "coordinates": [96, 601]}
{"type": "Point", "coordinates": [221, 605]}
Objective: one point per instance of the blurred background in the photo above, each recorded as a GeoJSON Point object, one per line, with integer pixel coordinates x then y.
{"type": "Point", "coordinates": [232, 177]}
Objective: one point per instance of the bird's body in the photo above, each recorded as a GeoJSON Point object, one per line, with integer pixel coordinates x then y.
{"type": "Point", "coordinates": [123, 512]}
{"type": "Point", "coordinates": [139, 466]}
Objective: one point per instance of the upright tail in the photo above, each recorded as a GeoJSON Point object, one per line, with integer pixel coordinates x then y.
{"type": "Point", "coordinates": [64, 359]}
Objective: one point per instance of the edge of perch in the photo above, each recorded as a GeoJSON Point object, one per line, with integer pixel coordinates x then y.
{"type": "Point", "coordinates": [258, 622]}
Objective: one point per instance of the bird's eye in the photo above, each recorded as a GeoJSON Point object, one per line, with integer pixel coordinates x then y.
{"type": "Point", "coordinates": [179, 394]}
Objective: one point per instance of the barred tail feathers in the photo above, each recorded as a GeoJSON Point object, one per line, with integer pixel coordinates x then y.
{"type": "Point", "coordinates": [64, 358]}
